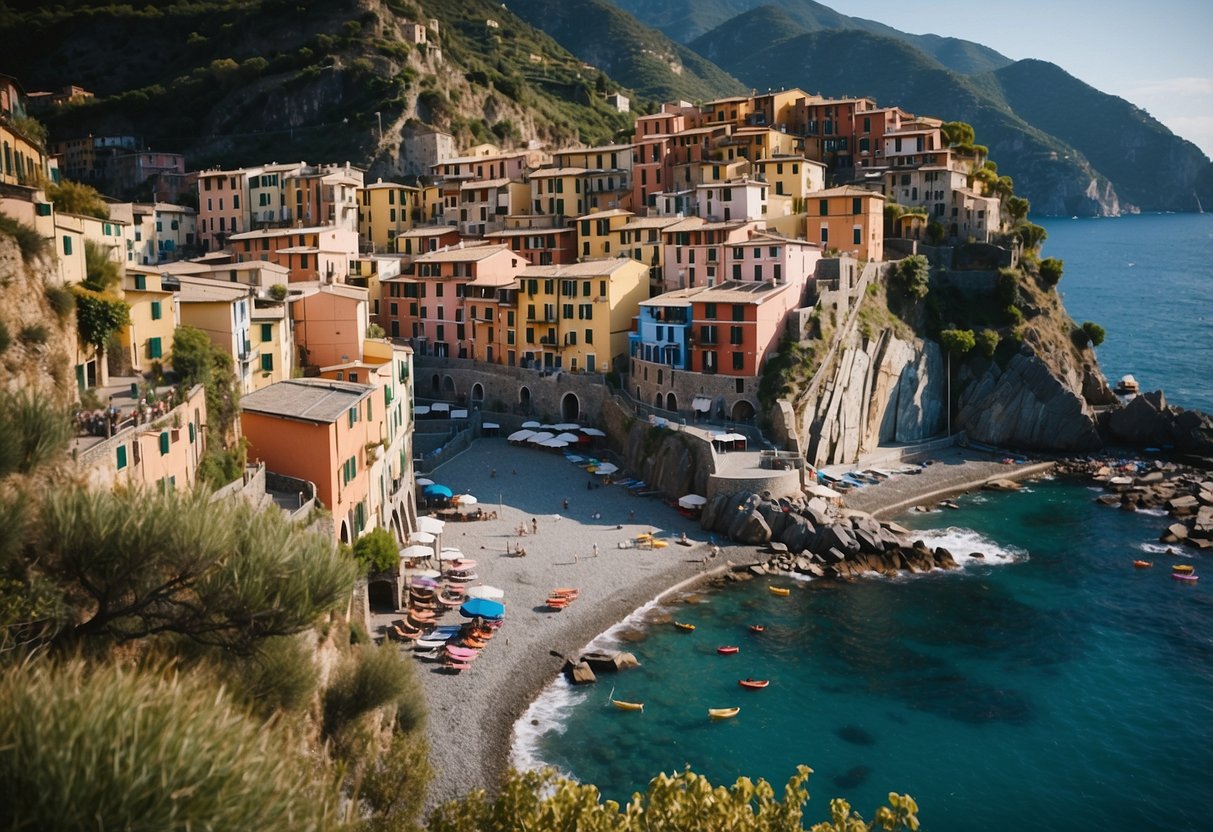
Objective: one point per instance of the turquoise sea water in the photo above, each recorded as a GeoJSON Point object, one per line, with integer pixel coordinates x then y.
{"type": "Point", "coordinates": [1050, 685]}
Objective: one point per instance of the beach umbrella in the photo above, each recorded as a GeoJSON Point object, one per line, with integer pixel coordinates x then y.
{"type": "Point", "coordinates": [569, 437]}
{"type": "Point", "coordinates": [421, 537]}
{"type": "Point", "coordinates": [424, 583]}
{"type": "Point", "coordinates": [592, 432]}
{"type": "Point", "coordinates": [541, 437]}
{"type": "Point", "coordinates": [459, 414]}
{"type": "Point", "coordinates": [491, 593]}
{"type": "Point", "coordinates": [692, 501]}
{"type": "Point", "coordinates": [463, 564]}
{"type": "Point", "coordinates": [606, 468]}
{"type": "Point", "coordinates": [440, 407]}
{"type": "Point", "coordinates": [430, 524]}
{"type": "Point", "coordinates": [483, 608]}
{"type": "Point", "coordinates": [450, 554]}
{"type": "Point", "coordinates": [428, 573]}
{"type": "Point", "coordinates": [436, 490]}
{"type": "Point", "coordinates": [519, 435]}
{"type": "Point", "coordinates": [410, 552]}
{"type": "Point", "coordinates": [465, 500]}
{"type": "Point", "coordinates": [423, 481]}
{"type": "Point", "coordinates": [531, 424]}
{"type": "Point", "coordinates": [567, 426]}
{"type": "Point", "coordinates": [421, 410]}
{"type": "Point", "coordinates": [555, 443]}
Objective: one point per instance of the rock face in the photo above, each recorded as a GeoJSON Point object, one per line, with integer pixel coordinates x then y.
{"type": "Point", "coordinates": [883, 390]}
{"type": "Point", "coordinates": [1027, 406]}
{"type": "Point", "coordinates": [1148, 421]}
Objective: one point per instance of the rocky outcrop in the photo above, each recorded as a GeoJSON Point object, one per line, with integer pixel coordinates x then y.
{"type": "Point", "coordinates": [884, 390]}
{"type": "Point", "coordinates": [1147, 421]}
{"type": "Point", "coordinates": [1186, 494]}
{"type": "Point", "coordinates": [1027, 405]}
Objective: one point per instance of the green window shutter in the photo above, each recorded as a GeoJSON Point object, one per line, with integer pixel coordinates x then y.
{"type": "Point", "coordinates": [164, 442]}
{"type": "Point", "coordinates": [193, 433]}
{"type": "Point", "coordinates": [67, 245]}
{"type": "Point", "coordinates": [267, 363]}
{"type": "Point", "coordinates": [121, 457]}
{"type": "Point", "coordinates": [140, 282]}
{"type": "Point", "coordinates": [267, 332]}
{"type": "Point", "coordinates": [43, 209]}
{"type": "Point", "coordinates": [153, 348]}
{"type": "Point", "coordinates": [369, 402]}
{"type": "Point", "coordinates": [155, 310]}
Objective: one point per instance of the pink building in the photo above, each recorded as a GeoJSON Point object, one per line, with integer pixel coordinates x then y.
{"type": "Point", "coordinates": [222, 206]}
{"type": "Point", "coordinates": [329, 322]}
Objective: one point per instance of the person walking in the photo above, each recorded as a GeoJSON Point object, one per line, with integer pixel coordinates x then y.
{"type": "Point", "coordinates": [534, 526]}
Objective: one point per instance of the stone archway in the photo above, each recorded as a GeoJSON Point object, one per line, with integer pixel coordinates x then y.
{"type": "Point", "coordinates": [436, 383]}
{"type": "Point", "coordinates": [448, 384]}
{"type": "Point", "coordinates": [659, 401]}
{"type": "Point", "coordinates": [671, 403]}
{"type": "Point", "coordinates": [524, 398]}
{"type": "Point", "coordinates": [381, 595]}
{"type": "Point", "coordinates": [397, 530]}
{"type": "Point", "coordinates": [743, 411]}
{"type": "Point", "coordinates": [477, 393]}
{"type": "Point", "coordinates": [570, 407]}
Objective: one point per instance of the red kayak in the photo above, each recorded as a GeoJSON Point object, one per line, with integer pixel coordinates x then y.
{"type": "Point", "coordinates": [728, 650]}
{"type": "Point", "coordinates": [754, 684]}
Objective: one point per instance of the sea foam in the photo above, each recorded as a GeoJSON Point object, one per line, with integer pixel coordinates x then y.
{"type": "Point", "coordinates": [548, 714]}
{"type": "Point", "coordinates": [961, 541]}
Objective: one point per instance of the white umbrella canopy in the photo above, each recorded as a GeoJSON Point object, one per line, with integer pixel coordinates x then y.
{"type": "Point", "coordinates": [423, 481]}
{"type": "Point", "coordinates": [692, 501]}
{"type": "Point", "coordinates": [567, 426]}
{"type": "Point", "coordinates": [450, 554]}
{"type": "Point", "coordinates": [416, 551]}
{"type": "Point", "coordinates": [428, 573]}
{"type": "Point", "coordinates": [422, 537]}
{"type": "Point", "coordinates": [430, 524]}
{"type": "Point", "coordinates": [492, 593]}
{"type": "Point", "coordinates": [464, 499]}
{"type": "Point", "coordinates": [440, 407]}
{"type": "Point", "coordinates": [519, 435]}
{"type": "Point", "coordinates": [568, 437]}
{"type": "Point", "coordinates": [541, 437]}
{"type": "Point", "coordinates": [606, 468]}
{"type": "Point", "coordinates": [555, 443]}
{"type": "Point", "coordinates": [531, 424]}
{"type": "Point", "coordinates": [593, 432]}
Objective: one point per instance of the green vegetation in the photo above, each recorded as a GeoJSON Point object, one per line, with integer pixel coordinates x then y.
{"type": "Point", "coordinates": [987, 342]}
{"type": "Point", "coordinates": [376, 331]}
{"type": "Point", "coordinates": [61, 301]}
{"type": "Point", "coordinates": [76, 198]}
{"type": "Point", "coordinates": [100, 312]}
{"type": "Point", "coordinates": [1089, 333]}
{"type": "Point", "coordinates": [957, 341]}
{"type": "Point", "coordinates": [32, 244]}
{"type": "Point", "coordinates": [33, 335]}
{"type": "Point", "coordinates": [198, 361]}
{"type": "Point", "coordinates": [376, 551]}
{"type": "Point", "coordinates": [1050, 271]}
{"type": "Point", "coordinates": [278, 292]}
{"type": "Point", "coordinates": [33, 433]}
{"type": "Point", "coordinates": [6, 337]}
{"type": "Point", "coordinates": [912, 276]}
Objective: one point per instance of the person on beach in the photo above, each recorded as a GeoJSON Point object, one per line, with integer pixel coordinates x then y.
{"type": "Point", "coordinates": [595, 550]}
{"type": "Point", "coordinates": [534, 526]}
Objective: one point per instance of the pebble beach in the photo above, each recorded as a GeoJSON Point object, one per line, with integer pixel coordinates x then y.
{"type": "Point", "coordinates": [471, 715]}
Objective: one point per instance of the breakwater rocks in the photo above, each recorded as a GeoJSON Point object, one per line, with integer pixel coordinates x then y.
{"type": "Point", "coordinates": [1148, 420]}
{"type": "Point", "coordinates": [1186, 494]}
{"type": "Point", "coordinates": [811, 537]}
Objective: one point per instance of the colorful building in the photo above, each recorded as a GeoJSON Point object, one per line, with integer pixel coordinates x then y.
{"type": "Point", "coordinates": [388, 209]}
{"type": "Point", "coordinates": [148, 337]}
{"type": "Point", "coordinates": [847, 219]}
{"type": "Point", "coordinates": [329, 321]}
{"type": "Point", "coordinates": [310, 253]}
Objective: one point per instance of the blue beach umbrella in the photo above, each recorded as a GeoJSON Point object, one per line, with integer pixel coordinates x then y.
{"type": "Point", "coordinates": [482, 608]}
{"type": "Point", "coordinates": [436, 490]}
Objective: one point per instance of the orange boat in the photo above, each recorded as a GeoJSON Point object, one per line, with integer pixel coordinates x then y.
{"type": "Point", "coordinates": [684, 627]}
{"type": "Point", "coordinates": [754, 684]}
{"type": "Point", "coordinates": [757, 628]}
{"type": "Point", "coordinates": [1142, 564]}
{"type": "Point", "coordinates": [728, 649]}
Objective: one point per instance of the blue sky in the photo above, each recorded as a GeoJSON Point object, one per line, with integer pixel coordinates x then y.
{"type": "Point", "coordinates": [1158, 55]}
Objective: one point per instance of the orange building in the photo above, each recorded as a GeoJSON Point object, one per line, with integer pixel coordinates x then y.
{"type": "Point", "coordinates": [737, 324]}
{"type": "Point", "coordinates": [848, 220]}
{"type": "Point", "coordinates": [326, 432]}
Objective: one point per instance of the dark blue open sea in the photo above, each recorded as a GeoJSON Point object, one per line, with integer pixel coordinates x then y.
{"type": "Point", "coordinates": [1047, 686]}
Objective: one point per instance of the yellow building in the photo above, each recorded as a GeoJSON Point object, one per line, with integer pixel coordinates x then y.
{"type": "Point", "coordinates": [601, 234]}
{"type": "Point", "coordinates": [756, 143]}
{"type": "Point", "coordinates": [792, 176]}
{"type": "Point", "coordinates": [271, 339]}
{"type": "Point", "coordinates": [386, 210]}
{"type": "Point", "coordinates": [149, 336]}
{"type": "Point", "coordinates": [223, 312]}
{"type": "Point", "coordinates": [558, 192]}
{"type": "Point", "coordinates": [848, 220]}
{"type": "Point", "coordinates": [577, 316]}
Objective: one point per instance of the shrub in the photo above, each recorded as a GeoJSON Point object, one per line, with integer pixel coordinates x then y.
{"type": "Point", "coordinates": [987, 341]}
{"type": "Point", "coordinates": [1094, 332]}
{"type": "Point", "coordinates": [376, 551]}
{"type": "Point", "coordinates": [1012, 315]}
{"type": "Point", "coordinates": [376, 331]}
{"type": "Point", "coordinates": [32, 431]}
{"type": "Point", "coordinates": [358, 634]}
{"type": "Point", "coordinates": [32, 244]}
{"type": "Point", "coordinates": [61, 301]}
{"type": "Point", "coordinates": [6, 337]}
{"type": "Point", "coordinates": [76, 198]}
{"type": "Point", "coordinates": [375, 678]}
{"type": "Point", "coordinates": [1008, 287]}
{"type": "Point", "coordinates": [957, 341]}
{"type": "Point", "coordinates": [34, 334]}
{"type": "Point", "coordinates": [105, 747]}
{"type": "Point", "coordinates": [278, 292]}
{"type": "Point", "coordinates": [1050, 271]}
{"type": "Point", "coordinates": [913, 275]}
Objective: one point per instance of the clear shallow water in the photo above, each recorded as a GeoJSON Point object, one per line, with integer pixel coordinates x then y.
{"type": "Point", "coordinates": [1148, 280]}
{"type": "Point", "coordinates": [1058, 687]}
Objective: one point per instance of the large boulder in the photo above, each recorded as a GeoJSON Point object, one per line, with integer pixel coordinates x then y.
{"type": "Point", "coordinates": [818, 511]}
{"type": "Point", "coordinates": [1143, 421]}
{"type": "Point", "coordinates": [776, 518]}
{"type": "Point", "coordinates": [838, 536]}
{"type": "Point", "coordinates": [797, 533]}
{"type": "Point", "coordinates": [580, 673]}
{"type": "Point", "coordinates": [712, 511]}
{"type": "Point", "coordinates": [752, 531]}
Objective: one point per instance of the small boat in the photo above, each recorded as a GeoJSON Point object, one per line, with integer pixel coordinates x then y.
{"type": "Point", "coordinates": [627, 706]}
{"type": "Point", "coordinates": [758, 628]}
{"type": "Point", "coordinates": [659, 544]}
{"type": "Point", "coordinates": [1143, 564]}
{"type": "Point", "coordinates": [1128, 386]}
{"type": "Point", "coordinates": [728, 649]}
{"type": "Point", "coordinates": [781, 591]}
{"type": "Point", "coordinates": [685, 627]}
{"type": "Point", "coordinates": [723, 713]}
{"type": "Point", "coordinates": [1184, 576]}
{"type": "Point", "coordinates": [754, 684]}
{"type": "Point", "coordinates": [1183, 568]}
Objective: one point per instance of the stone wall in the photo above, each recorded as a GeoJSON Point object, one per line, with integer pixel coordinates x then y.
{"type": "Point", "coordinates": [733, 397]}
{"type": "Point", "coordinates": [672, 461]}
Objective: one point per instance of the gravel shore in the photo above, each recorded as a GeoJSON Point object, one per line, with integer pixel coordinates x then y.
{"type": "Point", "coordinates": [471, 715]}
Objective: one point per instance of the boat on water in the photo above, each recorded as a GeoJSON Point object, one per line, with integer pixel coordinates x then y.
{"type": "Point", "coordinates": [728, 649]}
{"type": "Point", "coordinates": [1183, 568]}
{"type": "Point", "coordinates": [781, 591]}
{"type": "Point", "coordinates": [1185, 576]}
{"type": "Point", "coordinates": [758, 628]}
{"type": "Point", "coordinates": [723, 713]}
{"type": "Point", "coordinates": [1143, 564]}
{"type": "Point", "coordinates": [684, 627]}
{"type": "Point", "coordinates": [627, 706]}
{"type": "Point", "coordinates": [754, 684]}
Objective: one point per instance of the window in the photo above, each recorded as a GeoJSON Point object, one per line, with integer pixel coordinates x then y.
{"type": "Point", "coordinates": [121, 457]}
{"type": "Point", "coordinates": [352, 415]}
{"type": "Point", "coordinates": [193, 433]}
{"type": "Point", "coordinates": [738, 361]}
{"type": "Point", "coordinates": [856, 205]}
{"type": "Point", "coordinates": [164, 442]}
{"type": "Point", "coordinates": [267, 332]}
{"type": "Point", "coordinates": [155, 310]}
{"type": "Point", "coordinates": [734, 335]}
{"type": "Point", "coordinates": [707, 334]}
{"type": "Point", "coordinates": [67, 246]}
{"type": "Point", "coordinates": [825, 234]}
{"type": "Point", "coordinates": [589, 336]}
{"type": "Point", "coordinates": [824, 205]}
{"type": "Point", "coordinates": [141, 282]}
{"type": "Point", "coordinates": [857, 235]}
{"type": "Point", "coordinates": [267, 363]}
{"type": "Point", "coordinates": [709, 310]}
{"type": "Point", "coordinates": [154, 349]}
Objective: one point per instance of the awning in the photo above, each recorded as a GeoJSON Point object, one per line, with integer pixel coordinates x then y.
{"type": "Point", "coordinates": [430, 524]}
{"type": "Point", "coordinates": [692, 501]}
{"type": "Point", "coordinates": [440, 407]}
{"type": "Point", "coordinates": [701, 403]}
{"type": "Point", "coordinates": [592, 432]}
{"type": "Point", "coordinates": [436, 490]}
{"type": "Point", "coordinates": [531, 424]}
{"type": "Point", "coordinates": [482, 608]}
{"type": "Point", "coordinates": [421, 410]}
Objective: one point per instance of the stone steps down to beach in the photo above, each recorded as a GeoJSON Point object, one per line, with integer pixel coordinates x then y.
{"type": "Point", "coordinates": [1185, 494]}
{"type": "Point", "coordinates": [811, 538]}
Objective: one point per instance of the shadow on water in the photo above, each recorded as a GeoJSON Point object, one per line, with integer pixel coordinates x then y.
{"type": "Point", "coordinates": [855, 735]}
{"type": "Point", "coordinates": [853, 778]}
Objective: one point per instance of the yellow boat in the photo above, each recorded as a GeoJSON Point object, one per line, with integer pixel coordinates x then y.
{"type": "Point", "coordinates": [723, 713]}
{"type": "Point", "coordinates": [687, 627]}
{"type": "Point", "coordinates": [781, 591]}
{"type": "Point", "coordinates": [660, 544]}
{"type": "Point", "coordinates": [627, 706]}
{"type": "Point", "coordinates": [1183, 568]}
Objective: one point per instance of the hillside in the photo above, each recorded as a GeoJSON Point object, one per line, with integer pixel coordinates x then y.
{"type": "Point", "coordinates": [686, 20]}
{"type": "Point", "coordinates": [636, 56]}
{"type": "Point", "coordinates": [237, 82]}
{"type": "Point", "coordinates": [1070, 149]}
